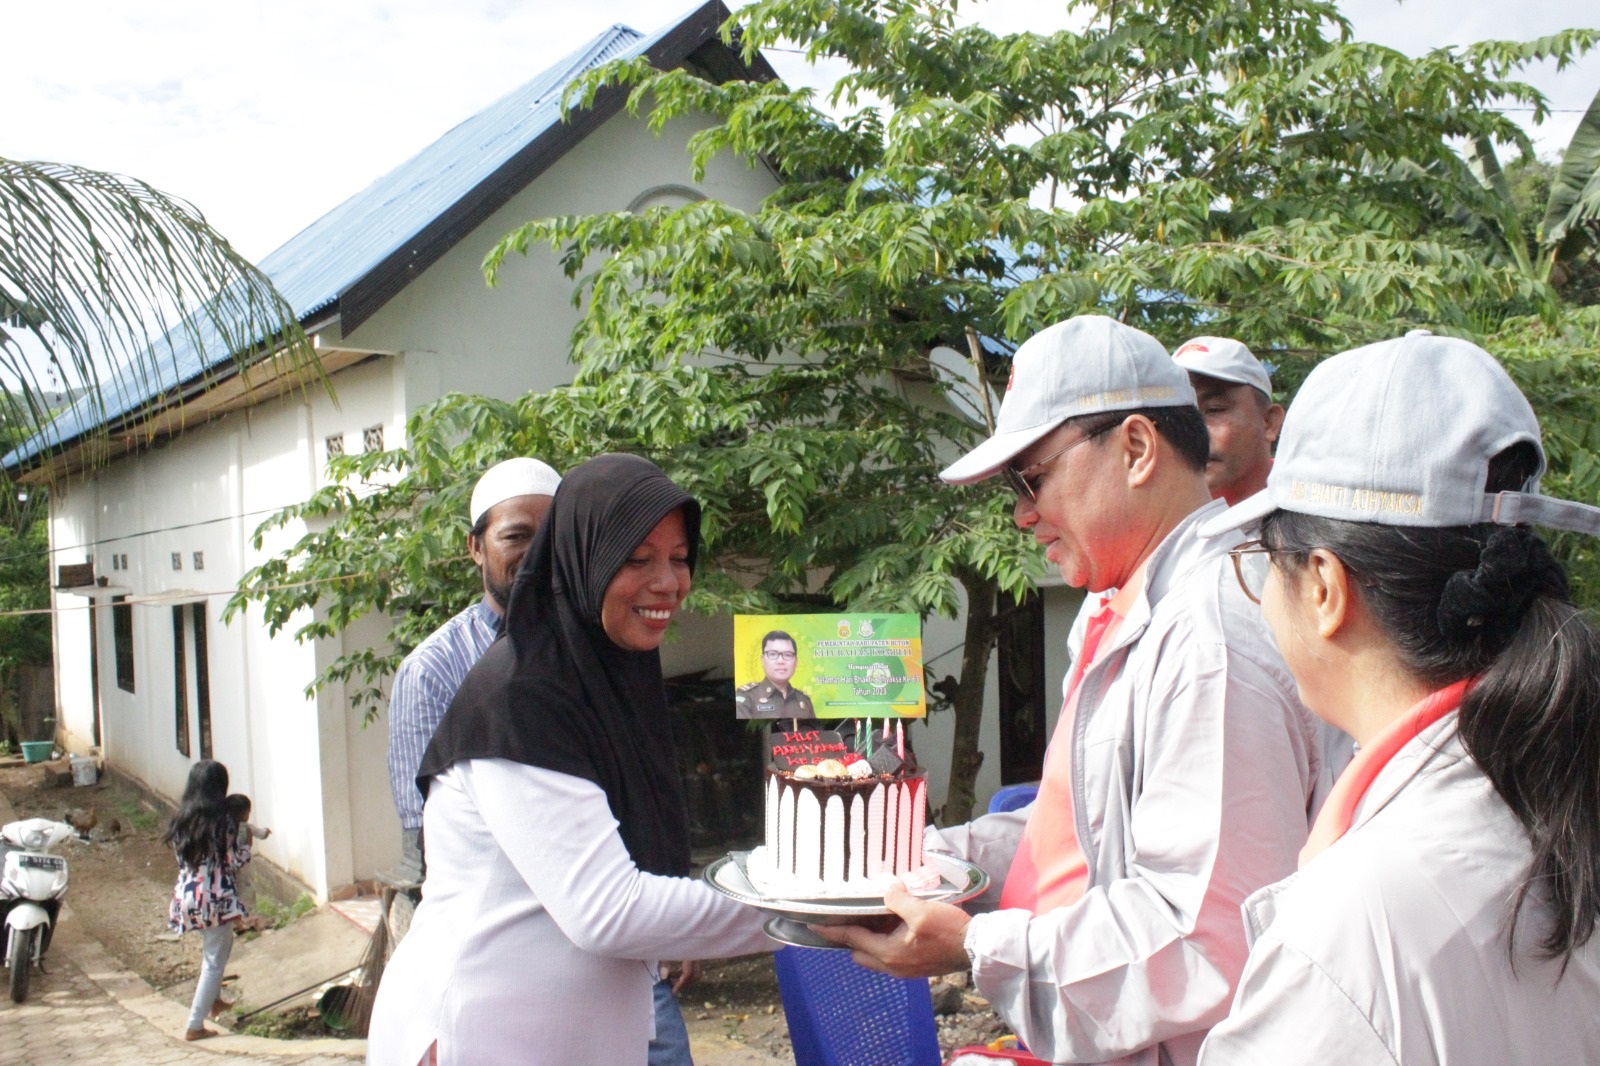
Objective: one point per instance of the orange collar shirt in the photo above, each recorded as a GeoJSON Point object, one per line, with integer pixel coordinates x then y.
{"type": "Point", "coordinates": [1390, 943]}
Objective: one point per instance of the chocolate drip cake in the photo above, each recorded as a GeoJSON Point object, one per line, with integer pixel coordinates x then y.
{"type": "Point", "coordinates": [839, 829]}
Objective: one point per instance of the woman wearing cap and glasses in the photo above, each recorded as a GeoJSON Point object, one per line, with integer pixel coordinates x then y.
{"type": "Point", "coordinates": [1445, 906]}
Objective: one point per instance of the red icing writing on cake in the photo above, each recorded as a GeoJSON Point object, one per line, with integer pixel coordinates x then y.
{"type": "Point", "coordinates": [820, 749]}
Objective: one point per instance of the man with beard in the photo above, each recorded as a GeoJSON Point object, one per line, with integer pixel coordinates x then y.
{"type": "Point", "coordinates": [508, 503]}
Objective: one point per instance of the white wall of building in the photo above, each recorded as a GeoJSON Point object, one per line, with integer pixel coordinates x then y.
{"type": "Point", "coordinates": [71, 511]}
{"type": "Point", "coordinates": [462, 336]}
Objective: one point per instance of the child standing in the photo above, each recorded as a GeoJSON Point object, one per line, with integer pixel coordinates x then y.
{"type": "Point", "coordinates": [239, 807]}
{"type": "Point", "coordinates": [205, 898]}
{"type": "Point", "coordinates": [248, 833]}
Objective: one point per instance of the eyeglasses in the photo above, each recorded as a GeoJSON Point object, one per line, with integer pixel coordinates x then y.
{"type": "Point", "coordinates": [781, 656]}
{"type": "Point", "coordinates": [1020, 481]}
{"type": "Point", "coordinates": [1252, 572]}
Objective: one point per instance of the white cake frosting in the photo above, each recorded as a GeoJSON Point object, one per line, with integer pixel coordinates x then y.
{"type": "Point", "coordinates": [833, 839]}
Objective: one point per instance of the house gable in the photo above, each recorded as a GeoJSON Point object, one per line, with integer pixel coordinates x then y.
{"type": "Point", "coordinates": [692, 41]}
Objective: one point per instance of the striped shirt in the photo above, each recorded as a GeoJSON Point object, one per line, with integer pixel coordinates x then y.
{"type": "Point", "coordinates": [423, 688]}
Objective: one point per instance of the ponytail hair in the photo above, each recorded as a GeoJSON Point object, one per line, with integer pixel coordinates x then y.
{"type": "Point", "coordinates": [1532, 722]}
{"type": "Point", "coordinates": [1491, 602]}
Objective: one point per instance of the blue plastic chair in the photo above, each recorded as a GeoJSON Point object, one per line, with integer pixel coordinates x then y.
{"type": "Point", "coordinates": [842, 1015]}
{"type": "Point", "coordinates": [1013, 797]}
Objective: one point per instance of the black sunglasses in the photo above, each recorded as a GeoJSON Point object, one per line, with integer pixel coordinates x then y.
{"type": "Point", "coordinates": [1023, 482]}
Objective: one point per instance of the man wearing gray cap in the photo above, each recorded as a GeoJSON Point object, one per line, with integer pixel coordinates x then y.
{"type": "Point", "coordinates": [1182, 767]}
{"type": "Point", "coordinates": [508, 503]}
{"type": "Point", "coordinates": [1234, 391]}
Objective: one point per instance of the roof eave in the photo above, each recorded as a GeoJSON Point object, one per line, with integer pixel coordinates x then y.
{"type": "Point", "coordinates": [201, 399]}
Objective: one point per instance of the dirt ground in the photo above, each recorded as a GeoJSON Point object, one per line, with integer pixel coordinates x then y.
{"type": "Point", "coordinates": [122, 876]}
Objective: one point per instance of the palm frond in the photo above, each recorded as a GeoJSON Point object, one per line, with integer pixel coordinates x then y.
{"type": "Point", "coordinates": [116, 295]}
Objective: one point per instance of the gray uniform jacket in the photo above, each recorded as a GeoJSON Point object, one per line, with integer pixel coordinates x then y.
{"type": "Point", "coordinates": [1194, 766]}
{"type": "Point", "coordinates": [1390, 946]}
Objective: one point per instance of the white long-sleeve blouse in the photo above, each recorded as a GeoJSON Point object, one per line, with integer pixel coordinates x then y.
{"type": "Point", "coordinates": [538, 938]}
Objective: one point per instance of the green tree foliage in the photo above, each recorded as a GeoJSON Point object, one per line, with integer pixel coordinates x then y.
{"type": "Point", "coordinates": [24, 589]}
{"type": "Point", "coordinates": [1556, 363]}
{"type": "Point", "coordinates": [24, 606]}
{"type": "Point", "coordinates": [806, 368]}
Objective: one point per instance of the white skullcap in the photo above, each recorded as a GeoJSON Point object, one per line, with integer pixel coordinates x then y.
{"type": "Point", "coordinates": [514, 477]}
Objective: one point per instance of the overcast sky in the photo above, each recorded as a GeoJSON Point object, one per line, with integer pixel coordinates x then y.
{"type": "Point", "coordinates": [267, 113]}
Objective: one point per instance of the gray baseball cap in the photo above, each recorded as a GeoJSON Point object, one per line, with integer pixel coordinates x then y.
{"type": "Point", "coordinates": [1224, 359]}
{"type": "Point", "coordinates": [1401, 433]}
{"type": "Point", "coordinates": [1083, 366]}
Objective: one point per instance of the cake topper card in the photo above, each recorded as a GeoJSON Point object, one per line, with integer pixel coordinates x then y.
{"type": "Point", "coordinates": [828, 666]}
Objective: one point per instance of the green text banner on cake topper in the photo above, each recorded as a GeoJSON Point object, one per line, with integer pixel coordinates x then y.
{"type": "Point", "coordinates": [828, 666]}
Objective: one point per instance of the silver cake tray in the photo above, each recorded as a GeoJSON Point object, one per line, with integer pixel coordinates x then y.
{"type": "Point", "coordinates": [962, 880]}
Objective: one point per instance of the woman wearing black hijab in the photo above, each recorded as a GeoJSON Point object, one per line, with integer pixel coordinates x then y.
{"type": "Point", "coordinates": [555, 826]}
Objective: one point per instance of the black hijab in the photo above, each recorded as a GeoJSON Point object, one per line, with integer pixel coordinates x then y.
{"type": "Point", "coordinates": [555, 692]}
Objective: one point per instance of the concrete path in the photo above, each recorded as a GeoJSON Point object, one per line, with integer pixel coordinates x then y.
{"type": "Point", "coordinates": [87, 1009]}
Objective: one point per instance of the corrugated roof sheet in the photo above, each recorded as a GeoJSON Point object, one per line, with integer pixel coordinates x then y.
{"type": "Point", "coordinates": [340, 247]}
{"type": "Point", "coordinates": [343, 246]}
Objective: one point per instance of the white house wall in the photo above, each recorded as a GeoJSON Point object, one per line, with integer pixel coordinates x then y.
{"type": "Point", "coordinates": [69, 525]}
{"type": "Point", "coordinates": [374, 828]}
{"type": "Point", "coordinates": [206, 492]}
{"type": "Point", "coordinates": [304, 742]}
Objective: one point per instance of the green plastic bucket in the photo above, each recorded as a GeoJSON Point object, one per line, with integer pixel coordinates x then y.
{"type": "Point", "coordinates": [37, 750]}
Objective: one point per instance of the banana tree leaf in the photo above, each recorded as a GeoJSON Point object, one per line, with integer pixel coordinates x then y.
{"type": "Point", "coordinates": [1505, 228]}
{"type": "Point", "coordinates": [1575, 190]}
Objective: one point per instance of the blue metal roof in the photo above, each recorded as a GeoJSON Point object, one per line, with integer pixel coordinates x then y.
{"type": "Point", "coordinates": [338, 249]}
{"type": "Point", "coordinates": [401, 217]}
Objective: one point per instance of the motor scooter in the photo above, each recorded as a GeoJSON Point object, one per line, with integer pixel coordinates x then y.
{"type": "Point", "coordinates": [31, 888]}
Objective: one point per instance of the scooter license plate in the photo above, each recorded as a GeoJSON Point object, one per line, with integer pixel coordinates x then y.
{"type": "Point", "coordinates": [42, 862]}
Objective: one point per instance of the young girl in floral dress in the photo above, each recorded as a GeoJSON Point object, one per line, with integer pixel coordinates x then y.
{"type": "Point", "coordinates": [206, 841]}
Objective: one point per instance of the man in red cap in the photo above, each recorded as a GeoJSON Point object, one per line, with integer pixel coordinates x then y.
{"type": "Point", "coordinates": [1234, 391]}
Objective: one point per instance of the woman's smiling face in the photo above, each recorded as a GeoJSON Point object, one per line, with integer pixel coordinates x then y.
{"type": "Point", "coordinates": [647, 591]}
